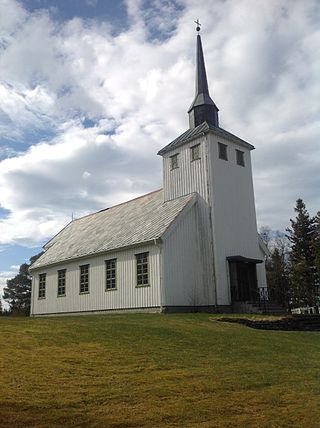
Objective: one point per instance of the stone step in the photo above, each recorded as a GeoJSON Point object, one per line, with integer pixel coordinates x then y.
{"type": "Point", "coordinates": [253, 307]}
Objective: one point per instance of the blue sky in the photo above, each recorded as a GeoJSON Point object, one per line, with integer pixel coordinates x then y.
{"type": "Point", "coordinates": [101, 10]}
{"type": "Point", "coordinates": [90, 90]}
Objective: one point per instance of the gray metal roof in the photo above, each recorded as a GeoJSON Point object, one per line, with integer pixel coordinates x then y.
{"type": "Point", "coordinates": [140, 220]}
{"type": "Point", "coordinates": [190, 134]}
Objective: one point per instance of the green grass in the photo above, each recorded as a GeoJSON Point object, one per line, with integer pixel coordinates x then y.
{"type": "Point", "coordinates": [142, 370]}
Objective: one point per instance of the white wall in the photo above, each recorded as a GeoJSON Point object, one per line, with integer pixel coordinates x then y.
{"type": "Point", "coordinates": [192, 176]}
{"type": "Point", "coordinates": [234, 216]}
{"type": "Point", "coordinates": [261, 270]}
{"type": "Point", "coordinates": [182, 269]}
{"type": "Point", "coordinates": [127, 295]}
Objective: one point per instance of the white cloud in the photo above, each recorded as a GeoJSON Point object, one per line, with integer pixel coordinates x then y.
{"type": "Point", "coordinates": [92, 3]}
{"type": "Point", "coordinates": [135, 89]}
{"type": "Point", "coordinates": [14, 15]}
{"type": "Point", "coordinates": [26, 108]}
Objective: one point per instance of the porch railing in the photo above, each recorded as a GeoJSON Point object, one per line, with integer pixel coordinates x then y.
{"type": "Point", "coordinates": [262, 297]}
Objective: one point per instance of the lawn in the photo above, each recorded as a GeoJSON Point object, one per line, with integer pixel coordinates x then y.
{"type": "Point", "coordinates": [152, 370]}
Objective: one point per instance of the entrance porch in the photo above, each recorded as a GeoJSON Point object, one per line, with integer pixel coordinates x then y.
{"type": "Point", "coordinates": [243, 279]}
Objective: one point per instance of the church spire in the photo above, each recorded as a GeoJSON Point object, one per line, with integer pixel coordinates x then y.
{"type": "Point", "coordinates": [203, 109]}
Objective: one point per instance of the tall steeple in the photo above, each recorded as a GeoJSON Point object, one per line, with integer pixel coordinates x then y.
{"type": "Point", "coordinates": [203, 109]}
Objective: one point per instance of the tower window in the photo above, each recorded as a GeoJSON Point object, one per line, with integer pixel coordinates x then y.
{"type": "Point", "coordinates": [195, 152]}
{"type": "Point", "coordinates": [240, 157]}
{"type": "Point", "coordinates": [223, 151]}
{"type": "Point", "coordinates": [174, 161]}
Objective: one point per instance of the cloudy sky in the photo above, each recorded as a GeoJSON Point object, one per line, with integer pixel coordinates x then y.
{"type": "Point", "coordinates": [90, 90]}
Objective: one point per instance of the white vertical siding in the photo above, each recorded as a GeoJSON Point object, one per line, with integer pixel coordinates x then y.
{"type": "Point", "coordinates": [126, 296]}
{"type": "Point", "coordinates": [182, 270]}
{"type": "Point", "coordinates": [261, 270]}
{"type": "Point", "coordinates": [233, 208]}
{"type": "Point", "coordinates": [33, 282]}
{"type": "Point", "coordinates": [192, 176]}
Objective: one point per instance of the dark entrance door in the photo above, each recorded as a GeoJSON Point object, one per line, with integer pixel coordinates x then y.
{"type": "Point", "coordinates": [243, 281]}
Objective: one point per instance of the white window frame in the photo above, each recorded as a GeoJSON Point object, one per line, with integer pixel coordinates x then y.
{"type": "Point", "coordinates": [111, 274]}
{"type": "Point", "coordinates": [62, 274]}
{"type": "Point", "coordinates": [195, 152]}
{"type": "Point", "coordinates": [84, 279]}
{"type": "Point", "coordinates": [42, 285]}
{"type": "Point", "coordinates": [143, 269]}
{"type": "Point", "coordinates": [240, 157]}
{"type": "Point", "coordinates": [174, 161]}
{"type": "Point", "coordinates": [223, 151]}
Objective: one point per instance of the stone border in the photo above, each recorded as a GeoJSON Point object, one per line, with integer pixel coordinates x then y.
{"type": "Point", "coordinates": [290, 323]}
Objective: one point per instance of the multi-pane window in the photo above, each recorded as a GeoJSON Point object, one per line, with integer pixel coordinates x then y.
{"type": "Point", "coordinates": [84, 279]}
{"type": "Point", "coordinates": [111, 274]}
{"type": "Point", "coordinates": [223, 153]}
{"type": "Point", "coordinates": [195, 152]}
{"type": "Point", "coordinates": [240, 157]}
{"type": "Point", "coordinates": [142, 268]}
{"type": "Point", "coordinates": [62, 282]}
{"type": "Point", "coordinates": [174, 161]}
{"type": "Point", "coordinates": [42, 286]}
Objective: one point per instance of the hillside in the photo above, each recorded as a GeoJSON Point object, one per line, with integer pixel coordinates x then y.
{"type": "Point", "coordinates": [155, 371]}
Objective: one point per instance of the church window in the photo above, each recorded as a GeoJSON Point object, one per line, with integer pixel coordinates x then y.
{"type": "Point", "coordinates": [111, 274]}
{"type": "Point", "coordinates": [142, 260]}
{"type": "Point", "coordinates": [174, 161]}
{"type": "Point", "coordinates": [84, 279]}
{"type": "Point", "coordinates": [62, 282]}
{"type": "Point", "coordinates": [42, 286]}
{"type": "Point", "coordinates": [240, 157]}
{"type": "Point", "coordinates": [223, 151]}
{"type": "Point", "coordinates": [195, 152]}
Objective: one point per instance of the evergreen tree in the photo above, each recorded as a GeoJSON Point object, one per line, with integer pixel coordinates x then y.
{"type": "Point", "coordinates": [303, 275]}
{"type": "Point", "coordinates": [277, 272]}
{"type": "Point", "coordinates": [18, 290]}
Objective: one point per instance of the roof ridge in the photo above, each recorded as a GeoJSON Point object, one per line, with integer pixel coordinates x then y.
{"type": "Point", "coordinates": [117, 205]}
{"type": "Point", "coordinates": [185, 136]}
{"type": "Point", "coordinates": [131, 200]}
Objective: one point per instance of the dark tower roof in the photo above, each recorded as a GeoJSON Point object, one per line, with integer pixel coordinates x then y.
{"type": "Point", "coordinates": [203, 109]}
{"type": "Point", "coordinates": [203, 113]}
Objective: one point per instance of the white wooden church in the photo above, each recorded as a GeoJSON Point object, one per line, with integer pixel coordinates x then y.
{"type": "Point", "coordinates": [191, 245]}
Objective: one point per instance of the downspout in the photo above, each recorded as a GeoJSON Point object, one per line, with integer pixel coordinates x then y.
{"type": "Point", "coordinates": [32, 296]}
{"type": "Point", "coordinates": [158, 243]}
{"type": "Point", "coordinates": [211, 229]}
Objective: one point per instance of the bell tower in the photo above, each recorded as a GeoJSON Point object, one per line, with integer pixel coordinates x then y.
{"type": "Point", "coordinates": [215, 164]}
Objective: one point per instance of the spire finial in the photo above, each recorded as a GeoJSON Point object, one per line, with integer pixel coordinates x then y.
{"type": "Point", "coordinates": [198, 25]}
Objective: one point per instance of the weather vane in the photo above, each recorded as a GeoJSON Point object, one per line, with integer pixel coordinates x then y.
{"type": "Point", "coordinates": [198, 25]}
